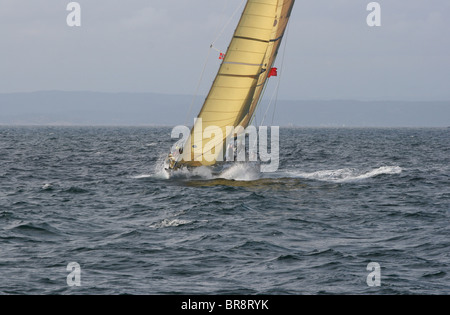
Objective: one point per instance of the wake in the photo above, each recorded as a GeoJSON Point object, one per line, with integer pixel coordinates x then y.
{"type": "Point", "coordinates": [238, 172]}
{"type": "Point", "coordinates": [346, 174]}
{"type": "Point", "coordinates": [248, 172]}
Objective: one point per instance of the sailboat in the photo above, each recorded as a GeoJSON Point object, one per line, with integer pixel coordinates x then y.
{"type": "Point", "coordinates": [238, 86]}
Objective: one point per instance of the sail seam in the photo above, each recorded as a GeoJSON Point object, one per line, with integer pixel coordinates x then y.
{"type": "Point", "coordinates": [259, 15]}
{"type": "Point", "coordinates": [276, 39]}
{"type": "Point", "coordinates": [257, 28]}
{"type": "Point", "coordinates": [218, 120]}
{"type": "Point", "coordinates": [243, 63]}
{"type": "Point", "coordinates": [250, 52]}
{"type": "Point", "coordinates": [238, 75]}
{"type": "Point", "coordinates": [252, 38]}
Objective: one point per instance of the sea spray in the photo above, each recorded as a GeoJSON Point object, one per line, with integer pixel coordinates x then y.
{"type": "Point", "coordinates": [347, 174]}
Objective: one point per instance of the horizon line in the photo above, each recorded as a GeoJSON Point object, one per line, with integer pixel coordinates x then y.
{"type": "Point", "coordinates": [192, 95]}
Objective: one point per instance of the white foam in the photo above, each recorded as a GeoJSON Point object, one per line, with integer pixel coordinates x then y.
{"type": "Point", "coordinates": [347, 174]}
{"type": "Point", "coordinates": [47, 186]}
{"type": "Point", "coordinates": [202, 172]}
{"type": "Point", "coordinates": [159, 170]}
{"type": "Point", "coordinates": [250, 172]}
{"type": "Point", "coordinates": [170, 223]}
{"type": "Point", "coordinates": [142, 176]}
{"type": "Point", "coordinates": [241, 172]}
{"type": "Point", "coordinates": [238, 171]}
{"type": "Point", "coordinates": [384, 170]}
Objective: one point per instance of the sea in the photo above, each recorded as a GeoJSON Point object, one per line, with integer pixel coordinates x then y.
{"type": "Point", "coordinates": [351, 211]}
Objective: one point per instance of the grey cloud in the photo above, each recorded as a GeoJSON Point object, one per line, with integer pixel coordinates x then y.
{"type": "Point", "coordinates": [160, 46]}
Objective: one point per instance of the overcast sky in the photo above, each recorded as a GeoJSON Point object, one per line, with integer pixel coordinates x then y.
{"type": "Point", "coordinates": [161, 45]}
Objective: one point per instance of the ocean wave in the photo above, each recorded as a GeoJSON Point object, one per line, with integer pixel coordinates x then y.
{"type": "Point", "coordinates": [347, 174]}
{"type": "Point", "coordinates": [30, 228]}
{"type": "Point", "coordinates": [170, 223]}
{"type": "Point", "coordinates": [76, 190]}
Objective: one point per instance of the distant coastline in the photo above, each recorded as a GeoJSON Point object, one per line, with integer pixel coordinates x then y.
{"type": "Point", "coordinates": [84, 108]}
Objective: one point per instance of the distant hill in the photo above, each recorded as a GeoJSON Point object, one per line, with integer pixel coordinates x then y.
{"type": "Point", "coordinates": [92, 108]}
{"type": "Point", "coordinates": [365, 113]}
{"type": "Point", "coordinates": [95, 108]}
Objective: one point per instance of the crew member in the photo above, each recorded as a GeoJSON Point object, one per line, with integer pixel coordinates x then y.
{"type": "Point", "coordinates": [171, 161]}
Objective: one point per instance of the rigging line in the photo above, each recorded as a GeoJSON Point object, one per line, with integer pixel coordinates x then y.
{"type": "Point", "coordinates": [203, 69]}
{"type": "Point", "coordinates": [217, 32]}
{"type": "Point", "coordinates": [275, 93]}
{"type": "Point", "coordinates": [229, 21]}
{"type": "Point", "coordinates": [282, 64]}
{"type": "Point", "coordinates": [277, 88]}
{"type": "Point", "coordinates": [259, 105]}
{"type": "Point", "coordinates": [218, 35]}
{"type": "Point", "coordinates": [198, 87]}
{"type": "Point", "coordinates": [270, 102]}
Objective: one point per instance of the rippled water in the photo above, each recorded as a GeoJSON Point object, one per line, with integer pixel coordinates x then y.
{"type": "Point", "coordinates": [341, 199]}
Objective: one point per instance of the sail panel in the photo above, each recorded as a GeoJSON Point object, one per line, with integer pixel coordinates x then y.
{"type": "Point", "coordinates": [257, 20]}
{"type": "Point", "coordinates": [281, 20]}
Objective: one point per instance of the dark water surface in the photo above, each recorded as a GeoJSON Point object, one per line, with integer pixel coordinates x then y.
{"type": "Point", "coordinates": [341, 199]}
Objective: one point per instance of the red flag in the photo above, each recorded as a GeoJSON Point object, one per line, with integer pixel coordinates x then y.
{"type": "Point", "coordinates": [273, 72]}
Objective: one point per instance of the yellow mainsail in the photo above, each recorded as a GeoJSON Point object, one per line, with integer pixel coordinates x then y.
{"type": "Point", "coordinates": [240, 81]}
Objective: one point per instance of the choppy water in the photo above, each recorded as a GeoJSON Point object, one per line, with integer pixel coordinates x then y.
{"type": "Point", "coordinates": [341, 199]}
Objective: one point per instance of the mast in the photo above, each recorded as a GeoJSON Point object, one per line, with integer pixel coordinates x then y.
{"type": "Point", "coordinates": [240, 80]}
